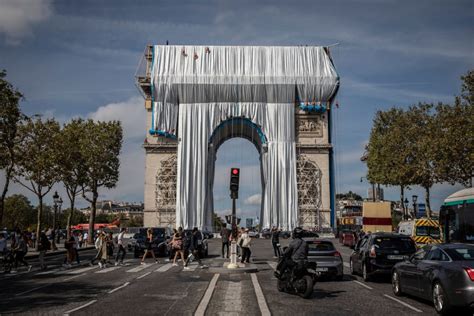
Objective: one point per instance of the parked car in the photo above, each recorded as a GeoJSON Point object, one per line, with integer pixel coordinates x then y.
{"type": "Point", "coordinates": [349, 239]}
{"type": "Point", "coordinates": [442, 273]}
{"type": "Point", "coordinates": [328, 259]}
{"type": "Point", "coordinates": [159, 244]}
{"type": "Point", "coordinates": [254, 234]}
{"type": "Point", "coordinates": [187, 241]}
{"type": "Point", "coordinates": [266, 233]}
{"type": "Point", "coordinates": [377, 253]}
{"type": "Point", "coordinates": [285, 234]}
{"type": "Point", "coordinates": [207, 234]}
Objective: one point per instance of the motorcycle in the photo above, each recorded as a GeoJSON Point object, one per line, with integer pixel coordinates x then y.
{"type": "Point", "coordinates": [300, 283]}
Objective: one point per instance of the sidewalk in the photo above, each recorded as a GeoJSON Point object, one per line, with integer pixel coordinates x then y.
{"type": "Point", "coordinates": [32, 253]}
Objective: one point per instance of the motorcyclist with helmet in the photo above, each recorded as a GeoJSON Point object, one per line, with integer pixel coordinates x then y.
{"type": "Point", "coordinates": [295, 256]}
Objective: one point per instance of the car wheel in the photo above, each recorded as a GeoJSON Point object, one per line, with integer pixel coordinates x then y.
{"type": "Point", "coordinates": [397, 290]}
{"type": "Point", "coordinates": [365, 274]}
{"type": "Point", "coordinates": [339, 277]}
{"type": "Point", "coordinates": [351, 267]}
{"type": "Point", "coordinates": [440, 300]}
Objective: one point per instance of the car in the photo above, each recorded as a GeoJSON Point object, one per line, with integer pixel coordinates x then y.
{"type": "Point", "coordinates": [187, 241]}
{"type": "Point", "coordinates": [254, 234]}
{"type": "Point", "coordinates": [377, 253]}
{"type": "Point", "coordinates": [207, 234]}
{"type": "Point", "coordinates": [328, 260]}
{"type": "Point", "coordinates": [266, 233]}
{"type": "Point", "coordinates": [349, 239]}
{"type": "Point", "coordinates": [442, 273]}
{"type": "Point", "coordinates": [161, 236]}
{"type": "Point", "coordinates": [285, 234]}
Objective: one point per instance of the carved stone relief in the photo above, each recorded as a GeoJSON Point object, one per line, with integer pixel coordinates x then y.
{"type": "Point", "coordinates": [309, 126]}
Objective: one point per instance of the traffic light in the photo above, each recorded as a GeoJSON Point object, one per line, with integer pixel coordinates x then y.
{"type": "Point", "coordinates": [234, 182]}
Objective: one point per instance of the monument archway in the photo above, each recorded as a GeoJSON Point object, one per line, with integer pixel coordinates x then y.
{"type": "Point", "coordinates": [279, 97]}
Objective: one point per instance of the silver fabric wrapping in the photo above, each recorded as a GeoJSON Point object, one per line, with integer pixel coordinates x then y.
{"type": "Point", "coordinates": [196, 88]}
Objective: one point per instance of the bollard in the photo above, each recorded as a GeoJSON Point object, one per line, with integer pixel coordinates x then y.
{"type": "Point", "coordinates": [233, 256]}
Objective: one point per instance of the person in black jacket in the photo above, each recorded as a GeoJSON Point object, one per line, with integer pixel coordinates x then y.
{"type": "Point", "coordinates": [276, 241]}
{"type": "Point", "coordinates": [296, 254]}
{"type": "Point", "coordinates": [195, 248]}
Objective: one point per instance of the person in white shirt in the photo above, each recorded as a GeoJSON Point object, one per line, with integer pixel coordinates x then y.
{"type": "Point", "coordinates": [121, 247]}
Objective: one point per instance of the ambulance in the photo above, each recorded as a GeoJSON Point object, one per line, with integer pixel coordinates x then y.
{"type": "Point", "coordinates": [422, 230]}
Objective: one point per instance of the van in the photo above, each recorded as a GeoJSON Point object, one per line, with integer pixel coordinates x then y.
{"type": "Point", "coordinates": [422, 230]}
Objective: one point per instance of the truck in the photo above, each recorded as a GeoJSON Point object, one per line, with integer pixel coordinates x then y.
{"type": "Point", "coordinates": [377, 217]}
{"type": "Point", "coordinates": [422, 230]}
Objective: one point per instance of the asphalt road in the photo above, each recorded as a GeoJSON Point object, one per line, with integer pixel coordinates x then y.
{"type": "Point", "coordinates": [161, 289]}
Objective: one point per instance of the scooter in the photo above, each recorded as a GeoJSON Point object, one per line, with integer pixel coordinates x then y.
{"type": "Point", "coordinates": [300, 283]}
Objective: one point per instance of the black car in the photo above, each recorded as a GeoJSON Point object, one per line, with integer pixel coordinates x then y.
{"type": "Point", "coordinates": [159, 244]}
{"type": "Point", "coordinates": [266, 233]}
{"type": "Point", "coordinates": [442, 273]}
{"type": "Point", "coordinates": [379, 252]}
{"type": "Point", "coordinates": [285, 234]}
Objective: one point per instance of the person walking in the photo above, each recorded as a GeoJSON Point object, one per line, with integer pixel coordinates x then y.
{"type": "Point", "coordinates": [101, 246]}
{"type": "Point", "coordinates": [21, 249]}
{"type": "Point", "coordinates": [244, 243]}
{"type": "Point", "coordinates": [43, 246]}
{"type": "Point", "coordinates": [177, 246]}
{"type": "Point", "coordinates": [225, 235]}
{"type": "Point", "coordinates": [86, 238]}
{"type": "Point", "coordinates": [195, 247]}
{"type": "Point", "coordinates": [149, 246]}
{"type": "Point", "coordinates": [121, 247]}
{"type": "Point", "coordinates": [77, 245]}
{"type": "Point", "coordinates": [69, 246]}
{"type": "Point", "coordinates": [276, 242]}
{"type": "Point", "coordinates": [110, 246]}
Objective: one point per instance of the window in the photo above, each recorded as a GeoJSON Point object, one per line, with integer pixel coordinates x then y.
{"type": "Point", "coordinates": [428, 231]}
{"type": "Point", "coordinates": [461, 253]}
{"type": "Point", "coordinates": [394, 243]}
{"type": "Point", "coordinates": [437, 254]}
{"type": "Point", "coordinates": [421, 253]}
{"type": "Point", "coordinates": [363, 242]}
{"type": "Point", "coordinates": [321, 246]}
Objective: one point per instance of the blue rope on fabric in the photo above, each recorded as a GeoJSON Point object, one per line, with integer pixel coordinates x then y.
{"type": "Point", "coordinates": [313, 108]}
{"type": "Point", "coordinates": [162, 133]}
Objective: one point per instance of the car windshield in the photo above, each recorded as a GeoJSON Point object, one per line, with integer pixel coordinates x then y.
{"type": "Point", "coordinates": [461, 253]}
{"type": "Point", "coordinates": [428, 231]}
{"type": "Point", "coordinates": [394, 243]}
{"type": "Point", "coordinates": [321, 246]}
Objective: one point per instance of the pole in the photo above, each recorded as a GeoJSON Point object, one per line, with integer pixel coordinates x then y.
{"type": "Point", "coordinates": [233, 245]}
{"type": "Point", "coordinates": [53, 233]}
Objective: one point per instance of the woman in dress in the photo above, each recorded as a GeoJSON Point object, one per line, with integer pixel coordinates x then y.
{"type": "Point", "coordinates": [148, 243]}
{"type": "Point", "coordinates": [178, 246]}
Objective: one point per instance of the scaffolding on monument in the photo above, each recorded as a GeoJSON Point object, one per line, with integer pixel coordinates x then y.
{"type": "Point", "coordinates": [309, 192]}
{"type": "Point", "coordinates": [166, 192]}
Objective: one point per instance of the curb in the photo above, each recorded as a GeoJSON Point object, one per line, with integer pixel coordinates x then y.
{"type": "Point", "coordinates": [55, 253]}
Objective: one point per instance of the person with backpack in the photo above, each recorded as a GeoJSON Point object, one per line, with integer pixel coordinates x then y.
{"type": "Point", "coordinates": [195, 247]}
{"type": "Point", "coordinates": [177, 246]}
{"type": "Point", "coordinates": [121, 247]}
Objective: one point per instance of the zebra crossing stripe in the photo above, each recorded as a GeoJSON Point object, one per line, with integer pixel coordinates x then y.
{"type": "Point", "coordinates": [108, 269]}
{"type": "Point", "coordinates": [164, 268]}
{"type": "Point", "coordinates": [139, 268]}
{"type": "Point", "coordinates": [272, 264]}
{"type": "Point", "coordinates": [79, 271]}
{"type": "Point", "coordinates": [192, 267]}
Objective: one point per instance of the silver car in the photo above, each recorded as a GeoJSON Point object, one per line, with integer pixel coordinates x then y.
{"type": "Point", "coordinates": [442, 273]}
{"type": "Point", "coordinates": [328, 259]}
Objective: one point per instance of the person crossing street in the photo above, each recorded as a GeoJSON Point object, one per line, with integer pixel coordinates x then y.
{"type": "Point", "coordinates": [195, 247]}
{"type": "Point", "coordinates": [121, 247]}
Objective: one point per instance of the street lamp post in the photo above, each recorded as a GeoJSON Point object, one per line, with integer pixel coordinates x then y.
{"type": "Point", "coordinates": [57, 204]}
{"type": "Point", "coordinates": [405, 212]}
{"type": "Point", "coordinates": [414, 199]}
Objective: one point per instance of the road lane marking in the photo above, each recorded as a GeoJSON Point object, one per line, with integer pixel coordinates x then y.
{"type": "Point", "coordinates": [108, 269]}
{"type": "Point", "coordinates": [207, 296]}
{"type": "Point", "coordinates": [144, 275]}
{"type": "Point", "coordinates": [164, 268]}
{"type": "Point", "coordinates": [272, 264]}
{"type": "Point", "coordinates": [364, 285]}
{"type": "Point", "coordinates": [75, 277]}
{"type": "Point", "coordinates": [31, 290]}
{"type": "Point", "coordinates": [347, 264]}
{"type": "Point", "coordinates": [139, 268]}
{"type": "Point", "coordinates": [118, 288]}
{"type": "Point", "coordinates": [262, 304]}
{"type": "Point", "coordinates": [48, 272]}
{"type": "Point", "coordinates": [81, 270]}
{"type": "Point", "coordinates": [78, 308]}
{"type": "Point", "coordinates": [191, 267]}
{"type": "Point", "coordinates": [403, 303]}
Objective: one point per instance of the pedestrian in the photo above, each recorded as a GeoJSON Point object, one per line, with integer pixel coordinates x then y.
{"type": "Point", "coordinates": [110, 246]}
{"type": "Point", "coordinates": [171, 251]}
{"type": "Point", "coordinates": [101, 247]}
{"type": "Point", "coordinates": [76, 246]}
{"type": "Point", "coordinates": [43, 246]}
{"type": "Point", "coordinates": [80, 238]}
{"type": "Point", "coordinates": [21, 249]}
{"type": "Point", "coordinates": [121, 247]}
{"type": "Point", "coordinates": [33, 239]}
{"type": "Point", "coordinates": [225, 236]}
{"type": "Point", "coordinates": [149, 246]}
{"type": "Point", "coordinates": [86, 238]}
{"type": "Point", "coordinates": [69, 246]}
{"type": "Point", "coordinates": [244, 244]}
{"type": "Point", "coordinates": [195, 247]}
{"type": "Point", "coordinates": [178, 246]}
{"type": "Point", "coordinates": [3, 244]}
{"type": "Point", "coordinates": [276, 242]}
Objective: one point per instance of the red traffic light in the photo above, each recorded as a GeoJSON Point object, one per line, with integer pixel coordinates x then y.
{"type": "Point", "coordinates": [235, 171]}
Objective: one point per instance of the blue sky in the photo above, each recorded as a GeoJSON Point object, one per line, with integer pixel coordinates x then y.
{"type": "Point", "coordinates": [78, 58]}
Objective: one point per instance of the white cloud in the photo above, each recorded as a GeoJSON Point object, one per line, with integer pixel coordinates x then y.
{"type": "Point", "coordinates": [17, 18]}
{"type": "Point", "coordinates": [255, 199]}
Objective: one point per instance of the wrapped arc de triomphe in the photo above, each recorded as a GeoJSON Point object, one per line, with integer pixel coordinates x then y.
{"type": "Point", "coordinates": [279, 98]}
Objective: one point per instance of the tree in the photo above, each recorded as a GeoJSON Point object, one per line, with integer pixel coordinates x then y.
{"type": "Point", "coordinates": [99, 147]}
{"type": "Point", "coordinates": [10, 118]}
{"type": "Point", "coordinates": [19, 212]}
{"type": "Point", "coordinates": [71, 164]}
{"type": "Point", "coordinates": [349, 196]}
{"type": "Point", "coordinates": [37, 159]}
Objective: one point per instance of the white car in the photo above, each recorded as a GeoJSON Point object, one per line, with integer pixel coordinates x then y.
{"type": "Point", "coordinates": [254, 234]}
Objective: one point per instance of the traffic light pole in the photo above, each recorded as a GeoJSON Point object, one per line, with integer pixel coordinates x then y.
{"type": "Point", "coordinates": [234, 188]}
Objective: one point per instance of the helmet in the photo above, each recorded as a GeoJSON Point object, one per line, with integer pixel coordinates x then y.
{"type": "Point", "coordinates": [298, 232]}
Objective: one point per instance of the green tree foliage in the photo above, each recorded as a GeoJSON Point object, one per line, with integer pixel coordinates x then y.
{"type": "Point", "coordinates": [19, 212]}
{"type": "Point", "coordinates": [70, 163]}
{"type": "Point", "coordinates": [65, 220]}
{"type": "Point", "coordinates": [99, 147]}
{"type": "Point", "coordinates": [37, 168]}
{"type": "Point", "coordinates": [135, 221]}
{"type": "Point", "coordinates": [10, 118]}
{"type": "Point", "coordinates": [349, 196]}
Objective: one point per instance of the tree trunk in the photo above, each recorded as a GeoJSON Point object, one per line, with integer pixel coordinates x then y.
{"type": "Point", "coordinates": [38, 224]}
{"type": "Point", "coordinates": [402, 199]}
{"type": "Point", "coordinates": [4, 194]}
{"type": "Point", "coordinates": [69, 217]}
{"type": "Point", "coordinates": [427, 202]}
{"type": "Point", "coordinates": [95, 195]}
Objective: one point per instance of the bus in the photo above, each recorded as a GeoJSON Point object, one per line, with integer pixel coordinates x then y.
{"type": "Point", "coordinates": [456, 217]}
